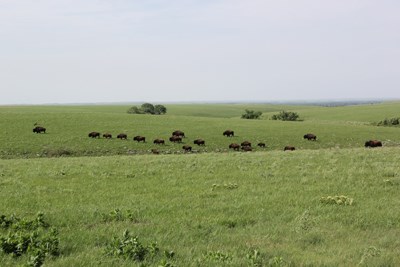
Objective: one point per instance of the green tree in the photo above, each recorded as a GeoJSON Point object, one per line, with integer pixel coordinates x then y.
{"type": "Point", "coordinates": [160, 109]}
{"type": "Point", "coordinates": [251, 114]}
{"type": "Point", "coordinates": [147, 108]}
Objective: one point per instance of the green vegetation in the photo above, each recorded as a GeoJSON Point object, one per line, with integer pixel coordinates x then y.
{"type": "Point", "coordinates": [389, 122]}
{"type": "Point", "coordinates": [328, 203]}
{"type": "Point", "coordinates": [251, 114]}
{"type": "Point", "coordinates": [285, 116]}
{"type": "Point", "coordinates": [148, 108]}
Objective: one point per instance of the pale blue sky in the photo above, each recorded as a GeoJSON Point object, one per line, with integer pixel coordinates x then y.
{"type": "Point", "coordinates": [78, 51]}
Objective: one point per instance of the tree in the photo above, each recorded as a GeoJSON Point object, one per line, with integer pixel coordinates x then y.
{"type": "Point", "coordinates": [160, 109]}
{"type": "Point", "coordinates": [286, 116]}
{"type": "Point", "coordinates": [251, 114]}
{"type": "Point", "coordinates": [148, 108]}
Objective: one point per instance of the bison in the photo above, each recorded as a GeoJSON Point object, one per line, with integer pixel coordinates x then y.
{"type": "Point", "coordinates": [178, 133]}
{"type": "Point", "coordinates": [122, 136]}
{"type": "Point", "coordinates": [246, 143]}
{"type": "Point", "coordinates": [139, 138]}
{"type": "Point", "coordinates": [234, 146]}
{"type": "Point", "coordinates": [246, 148]}
{"type": "Point", "coordinates": [107, 135]}
{"type": "Point", "coordinates": [289, 148]}
{"type": "Point", "coordinates": [155, 151]}
{"type": "Point", "coordinates": [199, 142]}
{"type": "Point", "coordinates": [228, 133]}
{"type": "Point", "coordinates": [261, 144]}
{"type": "Point", "coordinates": [373, 143]}
{"type": "Point", "coordinates": [187, 148]}
{"type": "Point", "coordinates": [159, 142]}
{"type": "Point", "coordinates": [310, 136]}
{"type": "Point", "coordinates": [175, 139]}
{"type": "Point", "coordinates": [39, 129]}
{"type": "Point", "coordinates": [94, 134]}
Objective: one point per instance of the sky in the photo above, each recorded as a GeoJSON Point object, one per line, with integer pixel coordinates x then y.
{"type": "Point", "coordinates": [74, 51]}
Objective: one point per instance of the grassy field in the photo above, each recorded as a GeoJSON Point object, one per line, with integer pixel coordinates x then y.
{"type": "Point", "coordinates": [68, 127]}
{"type": "Point", "coordinates": [220, 208]}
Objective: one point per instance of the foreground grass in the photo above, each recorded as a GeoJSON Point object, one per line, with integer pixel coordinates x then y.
{"type": "Point", "coordinates": [216, 209]}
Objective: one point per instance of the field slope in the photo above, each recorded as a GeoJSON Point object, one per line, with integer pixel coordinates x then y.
{"type": "Point", "coordinates": [212, 207]}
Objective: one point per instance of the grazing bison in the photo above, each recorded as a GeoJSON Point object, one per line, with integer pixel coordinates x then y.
{"type": "Point", "coordinates": [139, 138]}
{"type": "Point", "coordinates": [187, 148]}
{"type": "Point", "coordinates": [228, 133]}
{"type": "Point", "coordinates": [175, 139]}
{"type": "Point", "coordinates": [199, 142]}
{"type": "Point", "coordinates": [178, 133]}
{"type": "Point", "coordinates": [261, 144]}
{"type": "Point", "coordinates": [290, 148]}
{"type": "Point", "coordinates": [122, 136]}
{"type": "Point", "coordinates": [107, 135]}
{"type": "Point", "coordinates": [39, 129]}
{"type": "Point", "coordinates": [155, 151]}
{"type": "Point", "coordinates": [234, 146]}
{"type": "Point", "coordinates": [310, 136]}
{"type": "Point", "coordinates": [94, 135]}
{"type": "Point", "coordinates": [159, 142]}
{"type": "Point", "coordinates": [246, 143]}
{"type": "Point", "coordinates": [373, 143]}
{"type": "Point", "coordinates": [246, 148]}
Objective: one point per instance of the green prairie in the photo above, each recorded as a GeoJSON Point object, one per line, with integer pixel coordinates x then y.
{"type": "Point", "coordinates": [212, 208]}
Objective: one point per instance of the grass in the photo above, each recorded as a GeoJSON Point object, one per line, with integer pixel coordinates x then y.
{"type": "Point", "coordinates": [212, 208]}
{"type": "Point", "coordinates": [68, 127]}
{"type": "Point", "coordinates": [186, 203]}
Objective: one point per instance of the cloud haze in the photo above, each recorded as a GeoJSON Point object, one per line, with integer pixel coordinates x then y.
{"type": "Point", "coordinates": [158, 50]}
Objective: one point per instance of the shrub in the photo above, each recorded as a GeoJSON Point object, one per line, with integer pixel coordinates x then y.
{"type": "Point", "coordinates": [389, 122]}
{"type": "Point", "coordinates": [148, 108]}
{"type": "Point", "coordinates": [286, 116]}
{"type": "Point", "coordinates": [251, 114]}
{"type": "Point", "coordinates": [32, 237]}
{"type": "Point", "coordinates": [130, 247]}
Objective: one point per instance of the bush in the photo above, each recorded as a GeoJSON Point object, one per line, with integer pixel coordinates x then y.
{"type": "Point", "coordinates": [148, 108]}
{"type": "Point", "coordinates": [286, 116]}
{"type": "Point", "coordinates": [251, 114]}
{"type": "Point", "coordinates": [389, 122]}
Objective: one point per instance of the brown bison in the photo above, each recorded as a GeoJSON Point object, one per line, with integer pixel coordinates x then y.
{"type": "Point", "coordinates": [234, 146]}
{"type": "Point", "coordinates": [246, 148]}
{"type": "Point", "coordinates": [261, 144]}
{"type": "Point", "coordinates": [246, 143]}
{"type": "Point", "coordinates": [175, 139]}
{"type": "Point", "coordinates": [373, 143]}
{"type": "Point", "coordinates": [139, 138]}
{"type": "Point", "coordinates": [155, 151]}
{"type": "Point", "coordinates": [228, 133]}
{"type": "Point", "coordinates": [289, 148]}
{"type": "Point", "coordinates": [159, 142]}
{"type": "Point", "coordinates": [178, 133]}
{"type": "Point", "coordinates": [94, 135]}
{"type": "Point", "coordinates": [310, 136]}
{"type": "Point", "coordinates": [39, 129]}
{"type": "Point", "coordinates": [199, 142]}
{"type": "Point", "coordinates": [122, 136]}
{"type": "Point", "coordinates": [187, 148]}
{"type": "Point", "coordinates": [107, 135]}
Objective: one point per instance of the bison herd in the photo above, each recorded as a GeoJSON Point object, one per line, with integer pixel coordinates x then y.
{"type": "Point", "coordinates": [178, 135]}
